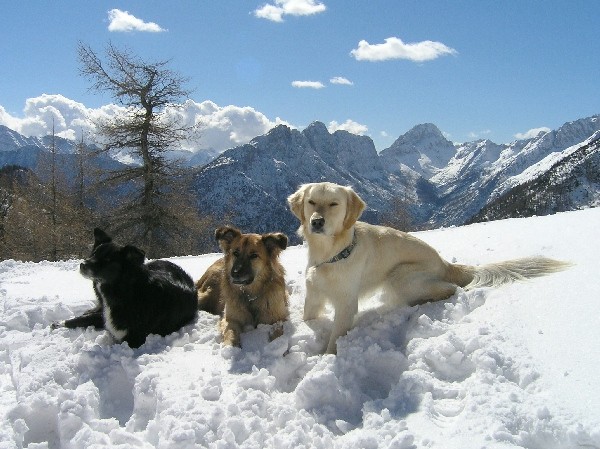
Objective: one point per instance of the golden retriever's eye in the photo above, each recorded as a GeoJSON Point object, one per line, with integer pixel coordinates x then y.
{"type": "Point", "coordinates": [333, 204]}
{"type": "Point", "coordinates": [311, 202]}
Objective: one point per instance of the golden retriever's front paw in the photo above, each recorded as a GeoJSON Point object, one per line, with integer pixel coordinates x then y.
{"type": "Point", "coordinates": [331, 348]}
{"type": "Point", "coordinates": [310, 315]}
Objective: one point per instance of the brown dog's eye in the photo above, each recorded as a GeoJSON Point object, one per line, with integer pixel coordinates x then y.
{"type": "Point", "coordinates": [236, 253]}
{"type": "Point", "coordinates": [253, 255]}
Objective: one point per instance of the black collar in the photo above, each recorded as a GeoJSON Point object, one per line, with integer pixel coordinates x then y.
{"type": "Point", "coordinates": [343, 254]}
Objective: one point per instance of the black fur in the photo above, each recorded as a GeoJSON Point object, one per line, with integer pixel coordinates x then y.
{"type": "Point", "coordinates": [139, 299]}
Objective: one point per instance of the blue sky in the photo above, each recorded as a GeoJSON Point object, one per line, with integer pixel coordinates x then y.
{"type": "Point", "coordinates": [476, 69]}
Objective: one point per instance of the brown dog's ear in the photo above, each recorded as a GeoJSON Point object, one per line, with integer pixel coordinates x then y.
{"type": "Point", "coordinates": [275, 241]}
{"type": "Point", "coordinates": [296, 202]}
{"type": "Point", "coordinates": [225, 235]}
{"type": "Point", "coordinates": [354, 208]}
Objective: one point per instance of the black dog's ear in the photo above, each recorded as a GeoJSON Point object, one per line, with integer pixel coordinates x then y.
{"type": "Point", "coordinates": [100, 237]}
{"type": "Point", "coordinates": [134, 255]}
{"type": "Point", "coordinates": [225, 235]}
{"type": "Point", "coordinates": [275, 241]}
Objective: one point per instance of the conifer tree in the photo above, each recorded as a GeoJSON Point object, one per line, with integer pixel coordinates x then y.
{"type": "Point", "coordinates": [158, 208]}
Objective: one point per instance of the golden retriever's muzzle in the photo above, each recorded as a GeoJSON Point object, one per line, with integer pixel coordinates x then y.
{"type": "Point", "coordinates": [317, 224]}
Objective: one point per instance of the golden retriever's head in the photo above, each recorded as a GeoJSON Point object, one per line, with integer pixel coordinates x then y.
{"type": "Point", "coordinates": [326, 208]}
{"type": "Point", "coordinates": [248, 256]}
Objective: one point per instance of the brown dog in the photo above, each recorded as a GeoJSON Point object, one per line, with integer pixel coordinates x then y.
{"type": "Point", "coordinates": [247, 285]}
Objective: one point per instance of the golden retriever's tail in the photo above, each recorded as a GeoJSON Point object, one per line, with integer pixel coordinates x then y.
{"type": "Point", "coordinates": [496, 274]}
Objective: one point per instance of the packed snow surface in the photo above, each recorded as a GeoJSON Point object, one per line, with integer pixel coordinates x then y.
{"type": "Point", "coordinates": [511, 367]}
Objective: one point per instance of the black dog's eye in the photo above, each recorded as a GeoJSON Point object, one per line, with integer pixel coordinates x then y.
{"type": "Point", "coordinates": [236, 253]}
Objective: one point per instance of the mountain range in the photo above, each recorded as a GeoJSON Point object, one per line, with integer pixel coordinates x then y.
{"type": "Point", "coordinates": [439, 182]}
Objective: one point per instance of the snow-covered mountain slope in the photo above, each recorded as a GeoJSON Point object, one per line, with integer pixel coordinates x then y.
{"type": "Point", "coordinates": [11, 141]}
{"type": "Point", "coordinates": [562, 181]}
{"type": "Point", "coordinates": [479, 171]}
{"type": "Point", "coordinates": [512, 367]}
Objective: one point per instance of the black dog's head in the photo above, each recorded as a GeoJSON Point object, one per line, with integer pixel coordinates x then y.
{"type": "Point", "coordinates": [247, 256]}
{"type": "Point", "coordinates": [108, 260]}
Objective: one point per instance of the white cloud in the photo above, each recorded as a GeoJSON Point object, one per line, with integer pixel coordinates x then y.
{"type": "Point", "coordinates": [532, 133]}
{"type": "Point", "coordinates": [309, 84]}
{"type": "Point", "coordinates": [275, 12]}
{"type": "Point", "coordinates": [349, 125]}
{"type": "Point", "coordinates": [479, 134]}
{"type": "Point", "coordinates": [8, 120]}
{"type": "Point", "coordinates": [69, 117]}
{"type": "Point", "coordinates": [222, 127]}
{"type": "Point", "coordinates": [122, 21]}
{"type": "Point", "coordinates": [219, 128]}
{"type": "Point", "coordinates": [394, 48]}
{"type": "Point", "coordinates": [341, 80]}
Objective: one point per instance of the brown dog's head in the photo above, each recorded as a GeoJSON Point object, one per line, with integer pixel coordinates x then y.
{"type": "Point", "coordinates": [248, 255]}
{"type": "Point", "coordinates": [326, 208]}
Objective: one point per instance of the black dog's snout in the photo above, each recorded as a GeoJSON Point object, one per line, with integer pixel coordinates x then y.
{"type": "Point", "coordinates": [317, 223]}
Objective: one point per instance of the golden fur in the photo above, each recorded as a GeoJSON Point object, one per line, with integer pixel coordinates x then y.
{"type": "Point", "coordinates": [406, 269]}
{"type": "Point", "coordinates": [246, 286]}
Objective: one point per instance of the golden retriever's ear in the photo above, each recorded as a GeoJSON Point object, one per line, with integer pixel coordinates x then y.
{"type": "Point", "coordinates": [296, 202]}
{"type": "Point", "coordinates": [225, 235]}
{"type": "Point", "coordinates": [354, 208]}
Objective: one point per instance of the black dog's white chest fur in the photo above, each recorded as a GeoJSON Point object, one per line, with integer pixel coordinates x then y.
{"type": "Point", "coordinates": [107, 313]}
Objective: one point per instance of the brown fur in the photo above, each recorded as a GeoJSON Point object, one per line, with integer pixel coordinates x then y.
{"type": "Point", "coordinates": [261, 298]}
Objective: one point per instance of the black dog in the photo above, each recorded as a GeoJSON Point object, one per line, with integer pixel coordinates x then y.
{"type": "Point", "coordinates": [135, 299]}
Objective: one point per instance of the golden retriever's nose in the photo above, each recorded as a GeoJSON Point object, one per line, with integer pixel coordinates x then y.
{"type": "Point", "coordinates": [317, 223]}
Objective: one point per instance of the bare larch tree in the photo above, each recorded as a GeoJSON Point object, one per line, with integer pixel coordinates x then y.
{"type": "Point", "coordinates": [153, 213]}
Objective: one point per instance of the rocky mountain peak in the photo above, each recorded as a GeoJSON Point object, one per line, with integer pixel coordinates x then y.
{"type": "Point", "coordinates": [421, 138]}
{"type": "Point", "coordinates": [423, 149]}
{"type": "Point", "coordinates": [316, 128]}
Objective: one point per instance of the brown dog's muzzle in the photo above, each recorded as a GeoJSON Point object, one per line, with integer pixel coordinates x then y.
{"type": "Point", "coordinates": [241, 272]}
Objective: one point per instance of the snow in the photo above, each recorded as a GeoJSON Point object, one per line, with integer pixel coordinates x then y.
{"type": "Point", "coordinates": [506, 368]}
{"type": "Point", "coordinates": [539, 168]}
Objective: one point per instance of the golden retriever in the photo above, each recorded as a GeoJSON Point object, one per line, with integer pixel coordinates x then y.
{"type": "Point", "coordinates": [246, 286]}
{"type": "Point", "coordinates": [349, 260]}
